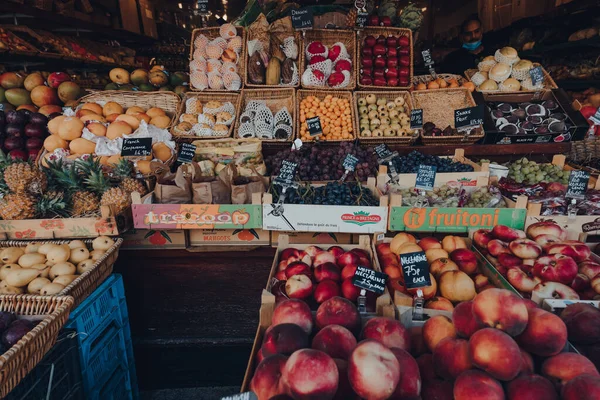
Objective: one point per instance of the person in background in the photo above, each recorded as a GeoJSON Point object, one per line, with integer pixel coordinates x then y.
{"type": "Point", "coordinates": [471, 37]}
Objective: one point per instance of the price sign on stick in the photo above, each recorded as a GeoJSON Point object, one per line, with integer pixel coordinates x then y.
{"type": "Point", "coordinates": [241, 396]}
{"type": "Point", "coordinates": [425, 177]}
{"type": "Point", "coordinates": [386, 156]}
{"type": "Point", "coordinates": [350, 162]}
{"type": "Point", "coordinates": [361, 19]}
{"type": "Point", "coordinates": [186, 154]}
{"type": "Point", "coordinates": [287, 173]}
{"type": "Point", "coordinates": [537, 75]}
{"type": "Point", "coordinates": [416, 118]}
{"type": "Point", "coordinates": [203, 6]}
{"type": "Point", "coordinates": [314, 126]}
{"type": "Point", "coordinates": [468, 117]}
{"type": "Point", "coordinates": [428, 61]}
{"type": "Point", "coordinates": [138, 147]}
{"type": "Point", "coordinates": [415, 269]}
{"type": "Point", "coordinates": [302, 19]}
{"type": "Point", "coordinates": [578, 181]}
{"type": "Point", "coordinates": [368, 279]}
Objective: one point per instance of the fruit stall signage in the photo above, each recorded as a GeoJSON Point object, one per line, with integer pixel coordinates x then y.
{"type": "Point", "coordinates": [186, 153]}
{"type": "Point", "coordinates": [416, 118]}
{"type": "Point", "coordinates": [537, 75]}
{"type": "Point", "coordinates": [425, 177]}
{"type": "Point", "coordinates": [287, 173]}
{"type": "Point", "coordinates": [578, 182]}
{"type": "Point", "coordinates": [383, 152]}
{"type": "Point", "coordinates": [241, 396]}
{"type": "Point", "coordinates": [302, 18]}
{"type": "Point", "coordinates": [454, 219]}
{"type": "Point", "coordinates": [203, 6]}
{"type": "Point", "coordinates": [427, 60]}
{"type": "Point", "coordinates": [137, 147]}
{"type": "Point", "coordinates": [361, 19]}
{"type": "Point", "coordinates": [350, 162]}
{"type": "Point", "coordinates": [415, 269]}
{"type": "Point", "coordinates": [368, 279]}
{"type": "Point", "coordinates": [314, 126]}
{"type": "Point", "coordinates": [467, 117]}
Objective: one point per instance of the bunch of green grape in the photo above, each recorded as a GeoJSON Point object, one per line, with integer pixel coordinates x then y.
{"type": "Point", "coordinates": [482, 197]}
{"type": "Point", "coordinates": [443, 196]}
{"type": "Point", "coordinates": [530, 172]}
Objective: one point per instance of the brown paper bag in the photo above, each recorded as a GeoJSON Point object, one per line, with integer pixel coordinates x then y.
{"type": "Point", "coordinates": [172, 188]}
{"type": "Point", "coordinates": [210, 189]}
{"type": "Point", "coordinates": [242, 187]}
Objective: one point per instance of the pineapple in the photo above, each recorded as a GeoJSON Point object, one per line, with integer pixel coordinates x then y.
{"type": "Point", "coordinates": [124, 170]}
{"type": "Point", "coordinates": [115, 197]}
{"type": "Point", "coordinates": [17, 206]}
{"type": "Point", "coordinates": [52, 204]}
{"type": "Point", "coordinates": [84, 201]}
{"type": "Point", "coordinates": [23, 177]}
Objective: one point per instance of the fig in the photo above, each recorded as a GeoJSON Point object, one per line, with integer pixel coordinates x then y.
{"type": "Point", "coordinates": [519, 113]}
{"type": "Point", "coordinates": [505, 108]}
{"type": "Point", "coordinates": [509, 129]}
{"type": "Point", "coordinates": [15, 332]}
{"type": "Point", "coordinates": [6, 318]}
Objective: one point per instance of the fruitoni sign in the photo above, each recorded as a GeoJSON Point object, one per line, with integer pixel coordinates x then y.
{"type": "Point", "coordinates": [197, 216]}
{"type": "Point", "coordinates": [453, 219]}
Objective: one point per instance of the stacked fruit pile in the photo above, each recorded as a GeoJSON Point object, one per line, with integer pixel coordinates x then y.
{"type": "Point", "coordinates": [157, 78]}
{"type": "Point", "coordinates": [22, 133]}
{"type": "Point", "coordinates": [48, 268]}
{"type": "Point", "coordinates": [317, 274]}
{"type": "Point", "coordinates": [410, 164]}
{"type": "Point", "coordinates": [41, 90]}
{"type": "Point", "coordinates": [334, 113]}
{"type": "Point", "coordinates": [385, 61]}
{"type": "Point", "coordinates": [379, 116]}
{"type": "Point", "coordinates": [583, 326]}
{"type": "Point", "coordinates": [331, 194]}
{"type": "Point", "coordinates": [531, 172]}
{"type": "Point", "coordinates": [327, 66]}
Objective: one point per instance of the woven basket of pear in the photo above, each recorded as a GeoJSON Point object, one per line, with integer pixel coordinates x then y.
{"type": "Point", "coordinates": [383, 116]}
{"type": "Point", "coordinates": [48, 268]}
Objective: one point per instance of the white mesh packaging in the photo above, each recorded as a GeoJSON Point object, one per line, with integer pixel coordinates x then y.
{"type": "Point", "coordinates": [290, 48]}
{"type": "Point", "coordinates": [246, 130]}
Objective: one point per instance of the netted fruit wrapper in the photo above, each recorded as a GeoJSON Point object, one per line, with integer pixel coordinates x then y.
{"type": "Point", "coordinates": [290, 48]}
{"type": "Point", "coordinates": [309, 79]}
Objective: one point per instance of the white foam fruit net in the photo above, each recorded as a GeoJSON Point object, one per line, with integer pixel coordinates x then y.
{"type": "Point", "coordinates": [503, 59]}
{"type": "Point", "coordinates": [200, 42]}
{"type": "Point", "coordinates": [309, 79]}
{"type": "Point", "coordinates": [282, 116]}
{"type": "Point", "coordinates": [199, 80]}
{"type": "Point", "coordinates": [295, 76]}
{"type": "Point", "coordinates": [290, 48]}
{"type": "Point", "coordinates": [527, 84]}
{"type": "Point", "coordinates": [343, 52]}
{"type": "Point", "coordinates": [228, 66]}
{"type": "Point", "coordinates": [485, 66]}
{"type": "Point", "coordinates": [345, 82]}
{"type": "Point", "coordinates": [222, 43]}
{"type": "Point", "coordinates": [502, 78]}
{"type": "Point", "coordinates": [254, 46]}
{"type": "Point", "coordinates": [214, 66]}
{"type": "Point", "coordinates": [253, 106]}
{"type": "Point", "coordinates": [246, 130]}
{"type": "Point", "coordinates": [520, 74]}
{"type": "Point", "coordinates": [228, 107]}
{"type": "Point", "coordinates": [198, 65]}
{"type": "Point", "coordinates": [232, 81]}
{"type": "Point", "coordinates": [310, 55]}
{"type": "Point", "coordinates": [192, 105]}
{"type": "Point", "coordinates": [203, 119]}
{"type": "Point", "coordinates": [478, 79]}
{"type": "Point", "coordinates": [324, 66]}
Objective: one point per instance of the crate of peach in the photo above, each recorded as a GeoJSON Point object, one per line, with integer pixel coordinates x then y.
{"type": "Point", "coordinates": [216, 58]}
{"type": "Point", "coordinates": [334, 110]}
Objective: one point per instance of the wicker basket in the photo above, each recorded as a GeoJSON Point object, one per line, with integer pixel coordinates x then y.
{"type": "Point", "coordinates": [87, 282]}
{"type": "Point", "coordinates": [388, 95]}
{"type": "Point", "coordinates": [213, 33]}
{"type": "Point", "coordinates": [548, 82]}
{"type": "Point", "coordinates": [45, 5]}
{"type": "Point", "coordinates": [377, 31]}
{"type": "Point", "coordinates": [302, 94]}
{"type": "Point", "coordinates": [428, 78]}
{"type": "Point", "coordinates": [583, 151]}
{"type": "Point", "coordinates": [441, 103]}
{"type": "Point", "coordinates": [204, 97]}
{"type": "Point", "coordinates": [275, 99]}
{"type": "Point", "coordinates": [248, 84]}
{"type": "Point", "coordinates": [329, 37]}
{"type": "Point", "coordinates": [21, 358]}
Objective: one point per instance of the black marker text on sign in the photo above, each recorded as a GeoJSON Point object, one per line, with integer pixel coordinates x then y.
{"type": "Point", "coordinates": [468, 117]}
{"type": "Point", "coordinates": [138, 147]}
{"type": "Point", "coordinates": [578, 181]}
{"type": "Point", "coordinates": [302, 19]}
{"type": "Point", "coordinates": [415, 269]}
{"type": "Point", "coordinates": [368, 279]}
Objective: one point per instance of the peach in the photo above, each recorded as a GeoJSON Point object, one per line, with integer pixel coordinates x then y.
{"type": "Point", "coordinates": [434, 254]}
{"type": "Point", "coordinates": [481, 238]}
{"type": "Point", "coordinates": [464, 321]}
{"type": "Point", "coordinates": [438, 390]}
{"type": "Point", "coordinates": [426, 370]}
{"type": "Point", "coordinates": [583, 387]}
{"type": "Point", "coordinates": [303, 257]}
{"type": "Point", "coordinates": [441, 265]}
{"type": "Point", "coordinates": [348, 271]}
{"type": "Point", "coordinates": [481, 281]}
{"type": "Point", "coordinates": [563, 367]}
{"type": "Point", "coordinates": [284, 339]}
{"type": "Point", "coordinates": [486, 287]}
{"type": "Point", "coordinates": [528, 387]}
{"type": "Point", "coordinates": [456, 286]}
{"type": "Point", "coordinates": [327, 271]}
{"type": "Point", "coordinates": [501, 309]}
{"type": "Point", "coordinates": [496, 353]}
{"type": "Point", "coordinates": [389, 259]}
{"type": "Point", "coordinates": [595, 284]}
{"type": "Point", "coordinates": [530, 304]}
{"type": "Point", "coordinates": [429, 242]}
{"type": "Point", "coordinates": [294, 312]}
{"type": "Point", "coordinates": [545, 334]}
{"type": "Point", "coordinates": [417, 344]}
{"type": "Point", "coordinates": [496, 247]}
{"type": "Point", "coordinates": [266, 382]}
{"type": "Point", "coordinates": [336, 251]}
{"type": "Point", "coordinates": [439, 303]}
{"type": "Point", "coordinates": [338, 311]}
{"type": "Point", "coordinates": [349, 291]}
{"type": "Point", "coordinates": [344, 390]}
{"type": "Point", "coordinates": [322, 258]}
{"type": "Point", "coordinates": [509, 260]}
{"type": "Point", "coordinates": [364, 255]}
{"type": "Point", "coordinates": [428, 291]}
{"type": "Point", "coordinates": [555, 268]}
{"type": "Point", "coordinates": [297, 268]}
{"type": "Point", "coordinates": [582, 322]}
{"type": "Point", "coordinates": [408, 248]}
{"type": "Point", "coordinates": [336, 341]}
{"type": "Point", "coordinates": [525, 248]}
{"type": "Point", "coordinates": [373, 370]}
{"type": "Point", "coordinates": [312, 251]}
{"type": "Point", "coordinates": [437, 328]}
{"type": "Point", "coordinates": [383, 248]}
{"type": "Point", "coordinates": [576, 250]}
{"type": "Point", "coordinates": [310, 374]}
{"type": "Point", "coordinates": [451, 243]}
{"type": "Point", "coordinates": [523, 281]}
{"type": "Point", "coordinates": [546, 228]}
{"type": "Point", "coordinates": [507, 234]}
{"type": "Point", "coordinates": [280, 276]}
{"type": "Point", "coordinates": [400, 239]}
{"type": "Point", "coordinates": [590, 269]}
{"type": "Point", "coordinates": [388, 332]}
{"type": "Point", "coordinates": [409, 386]}
{"type": "Point", "coordinates": [393, 272]}
{"type": "Point", "coordinates": [298, 287]}
{"type": "Point", "coordinates": [546, 241]}
{"type": "Point", "coordinates": [493, 260]}
{"type": "Point", "coordinates": [347, 258]}
{"type": "Point", "coordinates": [553, 290]}
{"type": "Point", "coordinates": [451, 358]}
{"type": "Point", "coordinates": [477, 385]}
{"type": "Point", "coordinates": [287, 253]}
{"type": "Point", "coordinates": [325, 290]}
{"type": "Point", "coordinates": [465, 259]}
{"type": "Point", "coordinates": [527, 365]}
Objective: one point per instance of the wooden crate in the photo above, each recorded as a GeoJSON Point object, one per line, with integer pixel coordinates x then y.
{"type": "Point", "coordinates": [149, 239]}
{"type": "Point", "coordinates": [332, 239]}
{"type": "Point", "coordinates": [227, 239]}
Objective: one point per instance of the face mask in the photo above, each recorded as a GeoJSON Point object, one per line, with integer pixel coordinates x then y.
{"type": "Point", "coordinates": [472, 46]}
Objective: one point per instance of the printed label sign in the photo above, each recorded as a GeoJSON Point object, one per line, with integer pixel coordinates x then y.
{"type": "Point", "coordinates": [137, 147]}
{"type": "Point", "coordinates": [416, 118]}
{"type": "Point", "coordinates": [302, 19]}
{"type": "Point", "coordinates": [415, 269]}
{"type": "Point", "coordinates": [467, 117]}
{"type": "Point", "coordinates": [350, 162]}
{"type": "Point", "coordinates": [314, 126]}
{"type": "Point", "coordinates": [425, 177]}
{"type": "Point", "coordinates": [578, 182]}
{"type": "Point", "coordinates": [368, 279]}
{"type": "Point", "coordinates": [537, 75]}
{"type": "Point", "coordinates": [287, 173]}
{"type": "Point", "coordinates": [186, 153]}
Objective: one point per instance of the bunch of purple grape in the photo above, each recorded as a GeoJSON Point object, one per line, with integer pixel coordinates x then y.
{"type": "Point", "coordinates": [323, 163]}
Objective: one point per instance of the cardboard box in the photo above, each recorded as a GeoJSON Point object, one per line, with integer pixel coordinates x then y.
{"type": "Point", "coordinates": [129, 15]}
{"type": "Point", "coordinates": [323, 238]}
{"type": "Point", "coordinates": [148, 17]}
{"type": "Point", "coordinates": [145, 239]}
{"type": "Point", "coordinates": [229, 237]}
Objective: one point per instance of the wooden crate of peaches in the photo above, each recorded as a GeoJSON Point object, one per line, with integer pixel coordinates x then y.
{"type": "Point", "coordinates": [334, 109]}
{"type": "Point", "coordinates": [453, 270]}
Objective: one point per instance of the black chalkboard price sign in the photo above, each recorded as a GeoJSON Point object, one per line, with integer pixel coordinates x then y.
{"type": "Point", "coordinates": [138, 147]}
{"type": "Point", "coordinates": [203, 6]}
{"type": "Point", "coordinates": [302, 19]}
{"type": "Point", "coordinates": [368, 279]}
{"type": "Point", "coordinates": [314, 126]}
{"type": "Point", "coordinates": [186, 153]}
{"type": "Point", "coordinates": [537, 75]}
{"type": "Point", "coordinates": [427, 60]}
{"type": "Point", "coordinates": [383, 152]}
{"type": "Point", "coordinates": [241, 396]}
{"type": "Point", "coordinates": [416, 118]}
{"type": "Point", "coordinates": [467, 117]}
{"type": "Point", "coordinates": [425, 177]}
{"type": "Point", "coordinates": [361, 19]}
{"type": "Point", "coordinates": [578, 181]}
{"type": "Point", "coordinates": [415, 269]}
{"type": "Point", "coordinates": [287, 173]}
{"type": "Point", "coordinates": [350, 162]}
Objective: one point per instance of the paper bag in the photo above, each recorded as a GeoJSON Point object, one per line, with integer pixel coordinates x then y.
{"type": "Point", "coordinates": [172, 188]}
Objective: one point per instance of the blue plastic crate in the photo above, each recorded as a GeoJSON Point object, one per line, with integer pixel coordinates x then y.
{"type": "Point", "coordinates": [118, 386]}
{"type": "Point", "coordinates": [131, 362]}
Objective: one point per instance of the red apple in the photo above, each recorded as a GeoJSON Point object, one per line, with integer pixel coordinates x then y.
{"type": "Point", "coordinates": [366, 62]}
{"type": "Point", "coordinates": [370, 40]}
{"type": "Point", "coordinates": [378, 50]}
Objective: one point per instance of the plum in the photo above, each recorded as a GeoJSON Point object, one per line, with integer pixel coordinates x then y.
{"type": "Point", "coordinates": [6, 318]}
{"type": "Point", "coordinates": [15, 332]}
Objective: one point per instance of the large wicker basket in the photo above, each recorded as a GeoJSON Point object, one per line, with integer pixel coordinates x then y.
{"type": "Point", "coordinates": [390, 96]}
{"type": "Point", "coordinates": [384, 31]}
{"type": "Point", "coordinates": [548, 82]}
{"type": "Point", "coordinates": [248, 84]}
{"type": "Point", "coordinates": [204, 97]}
{"type": "Point", "coordinates": [439, 102]}
{"type": "Point", "coordinates": [329, 37]}
{"type": "Point", "coordinates": [21, 358]}
{"type": "Point", "coordinates": [275, 99]}
{"type": "Point", "coordinates": [213, 33]}
{"type": "Point", "coordinates": [87, 282]}
{"type": "Point", "coordinates": [168, 101]}
{"type": "Point", "coordinates": [584, 151]}
{"type": "Point", "coordinates": [302, 94]}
